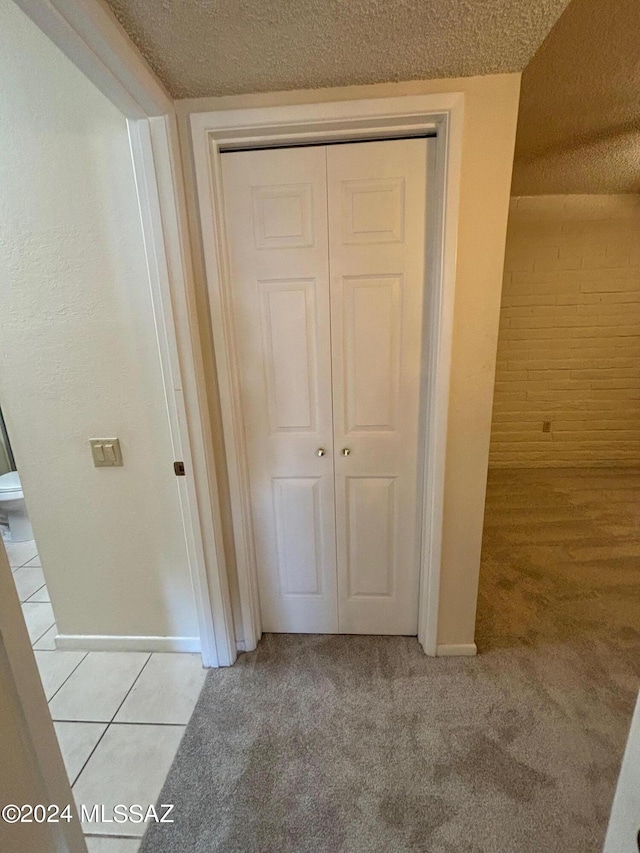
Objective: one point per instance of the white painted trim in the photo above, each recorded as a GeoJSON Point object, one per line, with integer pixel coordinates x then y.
{"type": "Point", "coordinates": [48, 783]}
{"type": "Point", "coordinates": [448, 168]}
{"type": "Point", "coordinates": [89, 34]}
{"type": "Point", "coordinates": [205, 502]}
{"type": "Point", "coordinates": [380, 117]}
{"type": "Point", "coordinates": [217, 266]}
{"type": "Point", "coordinates": [168, 268]}
{"type": "Point", "coordinates": [457, 650]}
{"type": "Point", "coordinates": [114, 643]}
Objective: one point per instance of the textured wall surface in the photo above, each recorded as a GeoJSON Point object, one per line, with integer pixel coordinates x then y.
{"type": "Point", "coordinates": [569, 343]}
{"type": "Point", "coordinates": [78, 351]}
{"type": "Point", "coordinates": [579, 122]}
{"type": "Point", "coordinates": [222, 47]}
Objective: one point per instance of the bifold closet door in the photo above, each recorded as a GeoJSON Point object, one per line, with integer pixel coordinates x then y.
{"type": "Point", "coordinates": [276, 219]}
{"type": "Point", "coordinates": [327, 254]}
{"type": "Point", "coordinates": [377, 207]}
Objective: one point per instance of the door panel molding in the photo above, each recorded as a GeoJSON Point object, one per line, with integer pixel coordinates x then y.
{"type": "Point", "coordinates": [297, 508]}
{"type": "Point", "coordinates": [380, 219]}
{"type": "Point", "coordinates": [375, 413]}
{"type": "Point", "coordinates": [300, 322]}
{"type": "Point", "coordinates": [326, 122]}
{"type": "Point", "coordinates": [370, 535]}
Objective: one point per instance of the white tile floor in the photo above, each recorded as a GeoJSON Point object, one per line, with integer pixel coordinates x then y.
{"type": "Point", "coordinates": [119, 716]}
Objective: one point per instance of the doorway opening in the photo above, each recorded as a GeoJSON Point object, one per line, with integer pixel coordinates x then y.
{"type": "Point", "coordinates": [214, 136]}
{"type": "Point", "coordinates": [22, 550]}
{"type": "Point", "coordinates": [328, 247]}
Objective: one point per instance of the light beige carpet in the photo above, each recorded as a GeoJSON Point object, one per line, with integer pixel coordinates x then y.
{"type": "Point", "coordinates": [320, 744]}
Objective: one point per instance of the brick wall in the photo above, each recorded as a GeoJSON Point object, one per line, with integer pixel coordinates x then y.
{"type": "Point", "coordinates": [569, 344]}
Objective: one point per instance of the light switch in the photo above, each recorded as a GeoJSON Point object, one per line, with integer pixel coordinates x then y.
{"type": "Point", "coordinates": [106, 452]}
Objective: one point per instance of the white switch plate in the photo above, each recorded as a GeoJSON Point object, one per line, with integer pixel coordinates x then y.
{"type": "Point", "coordinates": [106, 452]}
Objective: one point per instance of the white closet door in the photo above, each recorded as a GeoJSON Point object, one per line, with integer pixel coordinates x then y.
{"type": "Point", "coordinates": [276, 217]}
{"type": "Point", "coordinates": [377, 200]}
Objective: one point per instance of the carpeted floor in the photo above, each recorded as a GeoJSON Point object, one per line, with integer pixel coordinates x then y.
{"type": "Point", "coordinates": [340, 744]}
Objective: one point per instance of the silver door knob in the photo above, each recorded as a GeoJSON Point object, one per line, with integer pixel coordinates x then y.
{"type": "Point", "coordinates": [345, 451]}
{"type": "Point", "coordinates": [320, 451]}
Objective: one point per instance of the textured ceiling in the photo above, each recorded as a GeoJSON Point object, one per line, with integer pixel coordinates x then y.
{"type": "Point", "coordinates": [223, 47]}
{"type": "Point", "coordinates": [579, 121]}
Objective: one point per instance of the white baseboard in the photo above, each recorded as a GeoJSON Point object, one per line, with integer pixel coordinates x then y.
{"type": "Point", "coordinates": [111, 643]}
{"type": "Point", "coordinates": [460, 649]}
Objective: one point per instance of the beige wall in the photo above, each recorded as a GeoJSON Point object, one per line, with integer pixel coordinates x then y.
{"type": "Point", "coordinates": [490, 113]}
{"type": "Point", "coordinates": [569, 344]}
{"type": "Point", "coordinates": [79, 353]}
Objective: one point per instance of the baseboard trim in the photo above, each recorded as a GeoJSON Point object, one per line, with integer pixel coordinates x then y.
{"type": "Point", "coordinates": [112, 643]}
{"type": "Point", "coordinates": [459, 650]}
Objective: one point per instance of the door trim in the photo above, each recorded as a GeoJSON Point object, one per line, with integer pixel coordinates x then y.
{"type": "Point", "coordinates": [379, 118]}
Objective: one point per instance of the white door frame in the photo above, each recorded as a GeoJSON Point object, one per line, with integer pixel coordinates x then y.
{"type": "Point", "coordinates": [213, 132]}
{"type": "Point", "coordinates": [89, 35]}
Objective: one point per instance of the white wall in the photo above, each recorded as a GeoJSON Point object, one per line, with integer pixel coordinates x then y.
{"type": "Point", "coordinates": [569, 343]}
{"type": "Point", "coordinates": [490, 115]}
{"type": "Point", "coordinates": [79, 353]}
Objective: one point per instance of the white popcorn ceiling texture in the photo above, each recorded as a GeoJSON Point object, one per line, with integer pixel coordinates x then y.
{"type": "Point", "coordinates": [578, 132]}
{"type": "Point", "coordinates": [579, 122]}
{"type": "Point", "coordinates": [222, 47]}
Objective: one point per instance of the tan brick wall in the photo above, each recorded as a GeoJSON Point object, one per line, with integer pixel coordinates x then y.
{"type": "Point", "coordinates": [569, 344]}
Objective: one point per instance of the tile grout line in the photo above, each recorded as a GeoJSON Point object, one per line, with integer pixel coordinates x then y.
{"type": "Point", "coordinates": [88, 758]}
{"type": "Point", "coordinates": [106, 729]}
{"type": "Point", "coordinates": [22, 565]}
{"type": "Point", "coordinates": [108, 723]}
{"type": "Point", "coordinates": [40, 588]}
{"type": "Point", "coordinates": [66, 679]}
{"type": "Point", "coordinates": [135, 681]}
{"type": "Point", "coordinates": [45, 631]}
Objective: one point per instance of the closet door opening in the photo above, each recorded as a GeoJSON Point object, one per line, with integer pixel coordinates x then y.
{"type": "Point", "coordinates": [327, 257]}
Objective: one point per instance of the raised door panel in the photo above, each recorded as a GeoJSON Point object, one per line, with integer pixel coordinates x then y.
{"type": "Point", "coordinates": [283, 216]}
{"type": "Point", "coordinates": [371, 361]}
{"type": "Point", "coordinates": [276, 221]}
{"type": "Point", "coordinates": [377, 220]}
{"type": "Point", "coordinates": [373, 211]}
{"type": "Point", "coordinates": [288, 320]}
{"type": "Point", "coordinates": [370, 534]}
{"type": "Point", "coordinates": [299, 535]}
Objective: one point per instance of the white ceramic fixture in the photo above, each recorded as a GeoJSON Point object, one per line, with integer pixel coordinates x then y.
{"type": "Point", "coordinates": [13, 506]}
